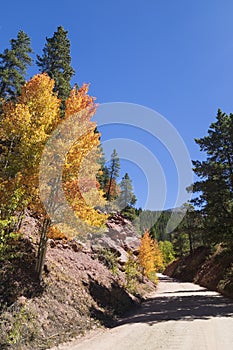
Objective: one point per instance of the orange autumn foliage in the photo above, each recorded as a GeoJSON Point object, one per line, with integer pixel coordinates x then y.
{"type": "Point", "coordinates": [79, 175]}
{"type": "Point", "coordinates": [114, 189]}
{"type": "Point", "coordinates": [56, 234]}
{"type": "Point", "coordinates": [79, 100]}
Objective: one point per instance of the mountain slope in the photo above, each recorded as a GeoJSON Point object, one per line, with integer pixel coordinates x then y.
{"type": "Point", "coordinates": [83, 286]}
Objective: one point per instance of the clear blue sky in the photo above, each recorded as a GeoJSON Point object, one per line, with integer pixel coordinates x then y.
{"type": "Point", "coordinates": [175, 57]}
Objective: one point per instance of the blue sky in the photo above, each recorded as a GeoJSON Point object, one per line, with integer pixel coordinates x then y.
{"type": "Point", "coordinates": [175, 57]}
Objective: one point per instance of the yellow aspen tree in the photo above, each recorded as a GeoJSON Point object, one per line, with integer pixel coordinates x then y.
{"type": "Point", "coordinates": [146, 256]}
{"type": "Point", "coordinates": [28, 123]}
{"type": "Point", "coordinates": [159, 265]}
{"type": "Point", "coordinates": [24, 128]}
{"type": "Point", "coordinates": [80, 161]}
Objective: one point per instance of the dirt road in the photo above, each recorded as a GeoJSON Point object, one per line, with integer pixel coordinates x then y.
{"type": "Point", "coordinates": [179, 315]}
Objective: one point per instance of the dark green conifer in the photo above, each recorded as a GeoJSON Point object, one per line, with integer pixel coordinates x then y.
{"type": "Point", "coordinates": [215, 185]}
{"type": "Point", "coordinates": [13, 66]}
{"type": "Point", "coordinates": [113, 172]}
{"type": "Point", "coordinates": [56, 62]}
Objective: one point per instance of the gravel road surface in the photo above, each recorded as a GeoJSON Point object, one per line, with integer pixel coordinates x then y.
{"type": "Point", "coordinates": [178, 315]}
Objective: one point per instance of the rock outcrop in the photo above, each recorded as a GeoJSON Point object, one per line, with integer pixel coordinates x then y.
{"type": "Point", "coordinates": [120, 237]}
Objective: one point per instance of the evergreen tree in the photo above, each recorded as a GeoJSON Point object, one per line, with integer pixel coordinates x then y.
{"type": "Point", "coordinates": [180, 241]}
{"type": "Point", "coordinates": [103, 174]}
{"type": "Point", "coordinates": [191, 228]}
{"type": "Point", "coordinates": [159, 229]}
{"type": "Point", "coordinates": [148, 219]}
{"type": "Point", "coordinates": [127, 198]}
{"type": "Point", "coordinates": [56, 60]}
{"type": "Point", "coordinates": [113, 174]}
{"type": "Point", "coordinates": [13, 66]}
{"type": "Point", "coordinates": [216, 179]}
{"type": "Point", "coordinates": [157, 221]}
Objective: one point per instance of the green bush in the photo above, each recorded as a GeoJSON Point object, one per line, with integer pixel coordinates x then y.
{"type": "Point", "coordinates": [131, 273]}
{"type": "Point", "coordinates": [168, 253]}
{"type": "Point", "coordinates": [109, 259]}
{"type": "Point", "coordinates": [18, 327]}
{"type": "Point", "coordinates": [7, 240]}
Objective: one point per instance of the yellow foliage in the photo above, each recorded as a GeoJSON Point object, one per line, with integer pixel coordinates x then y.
{"type": "Point", "coordinates": [36, 111]}
{"type": "Point", "coordinates": [55, 233]}
{"type": "Point", "coordinates": [146, 254]}
{"type": "Point", "coordinates": [150, 257]}
{"type": "Point", "coordinates": [159, 265]}
{"type": "Point", "coordinates": [43, 104]}
{"type": "Point", "coordinates": [25, 127]}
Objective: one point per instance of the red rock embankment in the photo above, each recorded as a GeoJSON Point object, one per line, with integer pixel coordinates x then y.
{"type": "Point", "coordinates": [84, 286]}
{"type": "Point", "coordinates": [213, 271]}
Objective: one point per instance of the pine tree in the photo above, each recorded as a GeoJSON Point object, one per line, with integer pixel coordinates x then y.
{"type": "Point", "coordinates": [191, 228]}
{"type": "Point", "coordinates": [113, 174]}
{"type": "Point", "coordinates": [126, 198]}
{"type": "Point", "coordinates": [180, 241]}
{"type": "Point", "coordinates": [103, 173]}
{"type": "Point", "coordinates": [13, 66]}
{"type": "Point", "coordinates": [216, 179]}
{"type": "Point", "coordinates": [56, 62]}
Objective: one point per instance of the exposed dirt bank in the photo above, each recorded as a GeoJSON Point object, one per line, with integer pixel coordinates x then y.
{"type": "Point", "coordinates": [84, 287]}
{"type": "Point", "coordinates": [213, 271]}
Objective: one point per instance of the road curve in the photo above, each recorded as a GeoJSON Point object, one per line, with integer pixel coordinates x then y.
{"type": "Point", "coordinates": [178, 315]}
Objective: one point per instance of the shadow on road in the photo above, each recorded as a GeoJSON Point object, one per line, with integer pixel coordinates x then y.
{"type": "Point", "coordinates": [165, 307]}
{"type": "Point", "coordinates": [186, 291]}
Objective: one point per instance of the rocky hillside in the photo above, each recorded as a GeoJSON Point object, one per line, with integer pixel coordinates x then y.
{"type": "Point", "coordinates": [213, 271]}
{"type": "Point", "coordinates": [84, 286]}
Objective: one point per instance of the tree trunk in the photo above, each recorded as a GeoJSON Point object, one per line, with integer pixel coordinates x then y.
{"type": "Point", "coordinates": [190, 241]}
{"type": "Point", "coordinates": [42, 249]}
{"type": "Point", "coordinates": [109, 189]}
